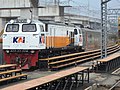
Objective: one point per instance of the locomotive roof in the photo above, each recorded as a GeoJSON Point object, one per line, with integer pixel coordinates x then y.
{"type": "Point", "coordinates": [39, 21]}
{"type": "Point", "coordinates": [57, 23]}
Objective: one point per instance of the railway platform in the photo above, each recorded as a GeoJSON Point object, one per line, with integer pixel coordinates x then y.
{"type": "Point", "coordinates": [109, 63]}
{"type": "Point", "coordinates": [63, 80]}
{"type": "Point", "coordinates": [60, 62]}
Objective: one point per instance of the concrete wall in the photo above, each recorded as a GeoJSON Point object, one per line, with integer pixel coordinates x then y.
{"type": "Point", "coordinates": [25, 13]}
{"type": "Point", "coordinates": [1, 25]}
{"type": "Point", "coordinates": [10, 13]}
{"type": "Point", "coordinates": [51, 11]}
{"type": "Point", "coordinates": [14, 3]}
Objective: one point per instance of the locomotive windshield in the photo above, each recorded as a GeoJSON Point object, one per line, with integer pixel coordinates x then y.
{"type": "Point", "coordinates": [12, 28]}
{"type": "Point", "coordinates": [29, 28]}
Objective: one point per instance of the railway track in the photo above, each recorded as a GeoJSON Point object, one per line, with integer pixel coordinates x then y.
{"type": "Point", "coordinates": [58, 62]}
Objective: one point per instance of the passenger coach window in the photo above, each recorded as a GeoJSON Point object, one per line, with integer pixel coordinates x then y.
{"type": "Point", "coordinates": [12, 28]}
{"type": "Point", "coordinates": [75, 31]}
{"type": "Point", "coordinates": [29, 28]}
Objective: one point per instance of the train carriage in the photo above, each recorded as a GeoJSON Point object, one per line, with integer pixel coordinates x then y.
{"type": "Point", "coordinates": [91, 39]}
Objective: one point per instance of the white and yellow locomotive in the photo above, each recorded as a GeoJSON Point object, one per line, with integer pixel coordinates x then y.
{"type": "Point", "coordinates": [25, 41]}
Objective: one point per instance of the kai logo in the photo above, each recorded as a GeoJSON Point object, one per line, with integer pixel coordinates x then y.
{"type": "Point", "coordinates": [18, 39]}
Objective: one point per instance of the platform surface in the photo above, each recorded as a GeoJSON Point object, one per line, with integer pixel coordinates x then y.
{"type": "Point", "coordinates": [111, 57]}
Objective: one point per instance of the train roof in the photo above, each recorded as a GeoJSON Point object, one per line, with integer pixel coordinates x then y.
{"type": "Point", "coordinates": [90, 30]}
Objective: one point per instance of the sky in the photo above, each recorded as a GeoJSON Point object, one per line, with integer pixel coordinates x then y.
{"type": "Point", "coordinates": [94, 6]}
{"type": "Point", "coordinates": [85, 7]}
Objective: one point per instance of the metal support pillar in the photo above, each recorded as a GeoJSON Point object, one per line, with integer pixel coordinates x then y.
{"type": "Point", "coordinates": [104, 28]}
{"type": "Point", "coordinates": [88, 75]}
{"type": "Point", "coordinates": [76, 79]}
{"type": "Point", "coordinates": [82, 77]}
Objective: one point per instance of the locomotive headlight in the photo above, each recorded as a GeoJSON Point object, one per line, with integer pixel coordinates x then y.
{"type": "Point", "coordinates": [32, 51]}
{"type": "Point", "coordinates": [4, 35]}
{"type": "Point", "coordinates": [98, 62]}
{"type": "Point", "coordinates": [7, 51]}
{"type": "Point", "coordinates": [11, 21]}
{"type": "Point", "coordinates": [28, 21]}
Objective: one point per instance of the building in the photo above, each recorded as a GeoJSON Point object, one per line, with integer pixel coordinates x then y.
{"type": "Point", "coordinates": [30, 9]}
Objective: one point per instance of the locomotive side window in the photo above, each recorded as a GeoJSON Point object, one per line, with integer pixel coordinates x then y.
{"type": "Point", "coordinates": [41, 28]}
{"type": "Point", "coordinates": [80, 31]}
{"type": "Point", "coordinates": [75, 31]}
{"type": "Point", "coordinates": [29, 28]}
{"type": "Point", "coordinates": [12, 28]}
{"type": "Point", "coordinates": [46, 27]}
{"type": "Point", "coordinates": [67, 32]}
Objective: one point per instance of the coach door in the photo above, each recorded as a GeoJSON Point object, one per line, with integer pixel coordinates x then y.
{"type": "Point", "coordinates": [71, 37]}
{"type": "Point", "coordinates": [76, 37]}
{"type": "Point", "coordinates": [43, 41]}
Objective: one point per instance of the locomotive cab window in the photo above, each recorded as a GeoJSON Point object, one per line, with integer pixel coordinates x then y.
{"type": "Point", "coordinates": [12, 28]}
{"type": "Point", "coordinates": [29, 28]}
{"type": "Point", "coordinates": [75, 31]}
